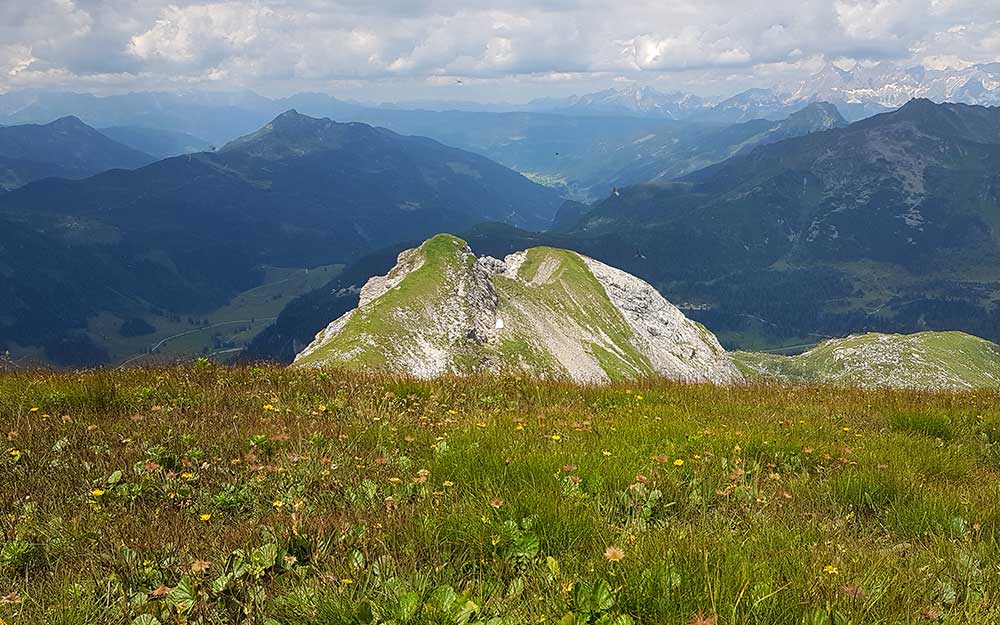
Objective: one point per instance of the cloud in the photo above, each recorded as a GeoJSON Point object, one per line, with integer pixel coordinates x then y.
{"type": "Point", "coordinates": [279, 44]}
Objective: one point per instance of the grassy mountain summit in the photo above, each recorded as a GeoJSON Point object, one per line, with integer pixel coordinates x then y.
{"type": "Point", "coordinates": [543, 311]}
{"type": "Point", "coordinates": [928, 360]}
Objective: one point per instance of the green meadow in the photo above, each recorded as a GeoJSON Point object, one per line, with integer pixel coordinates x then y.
{"type": "Point", "coordinates": [272, 496]}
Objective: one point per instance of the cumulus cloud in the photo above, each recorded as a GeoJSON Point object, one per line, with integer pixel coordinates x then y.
{"type": "Point", "coordinates": [268, 44]}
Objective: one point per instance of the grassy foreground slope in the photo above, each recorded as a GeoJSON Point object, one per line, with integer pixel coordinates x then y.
{"type": "Point", "coordinates": [934, 360]}
{"type": "Point", "coordinates": [283, 496]}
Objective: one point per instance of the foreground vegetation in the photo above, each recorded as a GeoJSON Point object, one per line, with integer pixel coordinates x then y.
{"type": "Point", "coordinates": [266, 495]}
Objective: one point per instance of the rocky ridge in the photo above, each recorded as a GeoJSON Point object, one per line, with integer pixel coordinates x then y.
{"type": "Point", "coordinates": [542, 311]}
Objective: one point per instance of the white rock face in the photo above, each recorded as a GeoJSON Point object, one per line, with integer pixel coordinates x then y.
{"type": "Point", "coordinates": [564, 316]}
{"type": "Point", "coordinates": [670, 340]}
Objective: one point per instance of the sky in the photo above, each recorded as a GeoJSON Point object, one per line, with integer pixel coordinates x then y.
{"type": "Point", "coordinates": [380, 50]}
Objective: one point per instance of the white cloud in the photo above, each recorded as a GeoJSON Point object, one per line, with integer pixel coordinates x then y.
{"type": "Point", "coordinates": [276, 45]}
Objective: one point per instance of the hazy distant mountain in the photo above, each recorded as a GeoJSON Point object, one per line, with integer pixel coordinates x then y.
{"type": "Point", "coordinates": [860, 92]}
{"type": "Point", "coordinates": [452, 105]}
{"type": "Point", "coordinates": [159, 142]}
{"type": "Point", "coordinates": [668, 152]}
{"type": "Point", "coordinates": [630, 100]}
{"type": "Point", "coordinates": [66, 148]}
{"type": "Point", "coordinates": [759, 103]}
{"type": "Point", "coordinates": [217, 117]}
{"type": "Point", "coordinates": [220, 116]}
{"type": "Point", "coordinates": [545, 146]}
{"type": "Point", "coordinates": [188, 232]}
{"type": "Point", "coordinates": [865, 91]}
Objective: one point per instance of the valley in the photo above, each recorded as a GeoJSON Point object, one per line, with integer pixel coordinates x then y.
{"type": "Point", "coordinates": [219, 333]}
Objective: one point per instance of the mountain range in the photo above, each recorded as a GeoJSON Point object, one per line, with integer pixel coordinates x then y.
{"type": "Point", "coordinates": [803, 228]}
{"type": "Point", "coordinates": [887, 224]}
{"type": "Point", "coordinates": [186, 233]}
{"type": "Point", "coordinates": [558, 141]}
{"type": "Point", "coordinates": [858, 92]}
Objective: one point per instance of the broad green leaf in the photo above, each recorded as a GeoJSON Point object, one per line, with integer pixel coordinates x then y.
{"type": "Point", "coordinates": [407, 607]}
{"type": "Point", "coordinates": [183, 595]}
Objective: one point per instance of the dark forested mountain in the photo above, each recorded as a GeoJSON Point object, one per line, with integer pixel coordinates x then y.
{"type": "Point", "coordinates": [66, 147]}
{"type": "Point", "coordinates": [891, 220]}
{"type": "Point", "coordinates": [188, 232]}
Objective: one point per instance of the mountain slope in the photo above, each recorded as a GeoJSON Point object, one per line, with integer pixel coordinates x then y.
{"type": "Point", "coordinates": [191, 231]}
{"type": "Point", "coordinates": [928, 360]}
{"type": "Point", "coordinates": [544, 311]}
{"type": "Point", "coordinates": [66, 147]}
{"type": "Point", "coordinates": [885, 224]}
